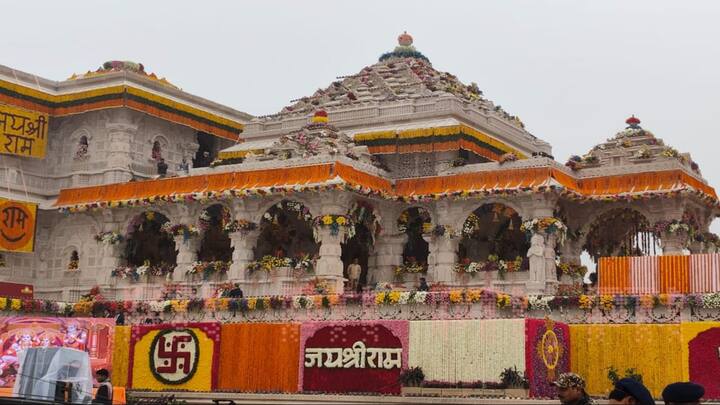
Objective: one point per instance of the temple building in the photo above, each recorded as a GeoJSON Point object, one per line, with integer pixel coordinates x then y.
{"type": "Point", "coordinates": [142, 188]}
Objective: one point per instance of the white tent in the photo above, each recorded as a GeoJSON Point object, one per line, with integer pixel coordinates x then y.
{"type": "Point", "coordinates": [42, 368]}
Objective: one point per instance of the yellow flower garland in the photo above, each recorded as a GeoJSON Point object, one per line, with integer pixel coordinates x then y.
{"type": "Point", "coordinates": [651, 349]}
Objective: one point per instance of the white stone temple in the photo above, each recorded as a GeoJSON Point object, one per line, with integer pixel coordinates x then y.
{"type": "Point", "coordinates": [399, 166]}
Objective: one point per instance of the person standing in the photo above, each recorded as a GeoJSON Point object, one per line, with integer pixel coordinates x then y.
{"type": "Point", "coordinates": [104, 392]}
{"type": "Point", "coordinates": [354, 271]}
{"type": "Point", "coordinates": [162, 167]}
{"type": "Point", "coordinates": [571, 390]}
{"type": "Point", "coordinates": [423, 286]}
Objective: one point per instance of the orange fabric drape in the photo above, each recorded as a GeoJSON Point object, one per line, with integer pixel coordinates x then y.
{"type": "Point", "coordinates": [193, 184]}
{"type": "Point", "coordinates": [614, 275]}
{"type": "Point", "coordinates": [354, 176]}
{"type": "Point", "coordinates": [497, 179]}
{"type": "Point", "coordinates": [674, 274]}
{"type": "Point", "coordinates": [501, 179]}
{"type": "Point", "coordinates": [259, 357]}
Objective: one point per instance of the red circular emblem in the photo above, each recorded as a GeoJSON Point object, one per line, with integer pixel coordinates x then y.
{"type": "Point", "coordinates": [174, 356]}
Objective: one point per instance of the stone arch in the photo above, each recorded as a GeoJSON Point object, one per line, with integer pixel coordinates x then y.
{"type": "Point", "coordinates": [619, 231]}
{"type": "Point", "coordinates": [286, 230]}
{"type": "Point", "coordinates": [215, 243]}
{"type": "Point", "coordinates": [493, 229]}
{"type": "Point", "coordinates": [367, 221]}
{"type": "Point", "coordinates": [595, 214]}
{"type": "Point", "coordinates": [415, 221]}
{"type": "Point", "coordinates": [147, 242]}
{"type": "Point", "coordinates": [163, 210]}
{"type": "Point", "coordinates": [460, 221]}
{"type": "Point", "coordinates": [267, 203]}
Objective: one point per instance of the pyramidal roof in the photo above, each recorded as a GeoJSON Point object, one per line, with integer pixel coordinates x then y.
{"type": "Point", "coordinates": [402, 74]}
{"type": "Point", "coordinates": [634, 144]}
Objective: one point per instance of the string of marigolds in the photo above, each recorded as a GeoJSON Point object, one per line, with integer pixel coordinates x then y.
{"type": "Point", "coordinates": [95, 305]}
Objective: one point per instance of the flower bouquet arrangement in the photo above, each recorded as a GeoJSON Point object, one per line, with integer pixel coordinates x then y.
{"type": "Point", "coordinates": [180, 230]}
{"type": "Point", "coordinates": [411, 266]}
{"type": "Point", "coordinates": [268, 263]}
{"type": "Point", "coordinates": [446, 231]}
{"type": "Point", "coordinates": [207, 269]}
{"type": "Point", "coordinates": [547, 225]}
{"type": "Point", "coordinates": [572, 270]}
{"type": "Point", "coordinates": [109, 238]}
{"type": "Point", "coordinates": [304, 263]}
{"type": "Point", "coordinates": [239, 225]}
{"type": "Point", "coordinates": [335, 222]}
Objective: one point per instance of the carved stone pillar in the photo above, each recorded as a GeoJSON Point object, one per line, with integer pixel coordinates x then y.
{"type": "Point", "coordinates": [186, 254]}
{"type": "Point", "coordinates": [329, 266]}
{"type": "Point", "coordinates": [445, 259]}
{"type": "Point", "coordinates": [389, 254]}
{"type": "Point", "coordinates": [119, 156]}
{"type": "Point", "coordinates": [549, 254]}
{"type": "Point", "coordinates": [536, 257]}
{"type": "Point", "coordinates": [673, 243]}
{"type": "Point", "coordinates": [243, 243]}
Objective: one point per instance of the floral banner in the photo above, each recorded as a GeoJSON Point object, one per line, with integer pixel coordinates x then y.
{"type": "Point", "coordinates": [701, 353]}
{"type": "Point", "coordinates": [649, 349]}
{"type": "Point", "coordinates": [121, 356]}
{"type": "Point", "coordinates": [353, 356]}
{"type": "Point", "coordinates": [259, 357]}
{"type": "Point", "coordinates": [547, 355]}
{"type": "Point", "coordinates": [174, 357]}
{"type": "Point", "coordinates": [95, 336]}
{"type": "Point", "coordinates": [467, 350]}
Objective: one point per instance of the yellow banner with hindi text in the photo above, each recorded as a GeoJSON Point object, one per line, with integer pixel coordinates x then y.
{"type": "Point", "coordinates": [23, 132]}
{"type": "Point", "coordinates": [17, 226]}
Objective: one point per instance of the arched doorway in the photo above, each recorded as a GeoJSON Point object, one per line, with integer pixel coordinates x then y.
{"type": "Point", "coordinates": [286, 231]}
{"type": "Point", "coordinates": [367, 228]}
{"type": "Point", "coordinates": [414, 222]}
{"type": "Point", "coordinates": [492, 233]}
{"type": "Point", "coordinates": [620, 232]}
{"type": "Point", "coordinates": [215, 245]}
{"type": "Point", "coordinates": [148, 244]}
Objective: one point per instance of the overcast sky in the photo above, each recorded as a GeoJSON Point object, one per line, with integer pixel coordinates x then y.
{"type": "Point", "coordinates": [572, 70]}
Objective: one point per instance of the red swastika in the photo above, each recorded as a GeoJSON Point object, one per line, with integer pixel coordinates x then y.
{"type": "Point", "coordinates": [171, 357]}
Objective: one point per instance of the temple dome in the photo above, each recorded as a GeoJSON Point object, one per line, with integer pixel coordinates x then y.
{"type": "Point", "coordinates": [400, 75]}
{"type": "Point", "coordinates": [633, 144]}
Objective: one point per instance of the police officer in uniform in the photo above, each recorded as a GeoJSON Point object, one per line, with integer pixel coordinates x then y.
{"type": "Point", "coordinates": [685, 393]}
{"type": "Point", "coordinates": [571, 390]}
{"type": "Point", "coordinates": [630, 392]}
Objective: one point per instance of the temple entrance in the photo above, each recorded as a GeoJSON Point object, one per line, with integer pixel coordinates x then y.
{"type": "Point", "coordinates": [286, 231]}
{"type": "Point", "coordinates": [215, 245]}
{"type": "Point", "coordinates": [414, 222]}
{"type": "Point", "coordinates": [620, 232]}
{"type": "Point", "coordinates": [492, 232]}
{"type": "Point", "coordinates": [367, 227]}
{"type": "Point", "coordinates": [148, 243]}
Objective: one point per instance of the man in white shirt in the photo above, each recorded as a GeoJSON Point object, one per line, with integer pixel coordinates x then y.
{"type": "Point", "coordinates": [354, 270]}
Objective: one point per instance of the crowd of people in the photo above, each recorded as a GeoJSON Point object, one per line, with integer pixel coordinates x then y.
{"type": "Point", "coordinates": [627, 391]}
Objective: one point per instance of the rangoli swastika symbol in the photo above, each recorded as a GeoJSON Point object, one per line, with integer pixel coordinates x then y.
{"type": "Point", "coordinates": [174, 356]}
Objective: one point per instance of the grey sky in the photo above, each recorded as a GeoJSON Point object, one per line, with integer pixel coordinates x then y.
{"type": "Point", "coordinates": [572, 70]}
